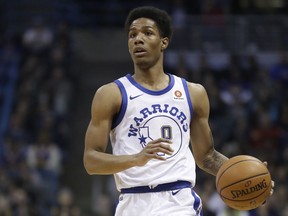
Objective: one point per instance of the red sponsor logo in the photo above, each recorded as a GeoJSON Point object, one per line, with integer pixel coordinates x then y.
{"type": "Point", "coordinates": [178, 93]}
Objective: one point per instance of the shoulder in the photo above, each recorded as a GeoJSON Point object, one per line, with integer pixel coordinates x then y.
{"type": "Point", "coordinates": [196, 90]}
{"type": "Point", "coordinates": [110, 89]}
{"type": "Point", "coordinates": [198, 97]}
{"type": "Point", "coordinates": [108, 96]}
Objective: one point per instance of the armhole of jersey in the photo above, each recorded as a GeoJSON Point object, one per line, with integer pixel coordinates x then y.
{"type": "Point", "coordinates": [119, 117]}
{"type": "Point", "coordinates": [188, 96]}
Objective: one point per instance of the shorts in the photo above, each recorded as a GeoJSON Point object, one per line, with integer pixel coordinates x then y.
{"type": "Point", "coordinates": [181, 201]}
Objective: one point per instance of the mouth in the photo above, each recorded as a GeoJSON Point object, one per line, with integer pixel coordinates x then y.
{"type": "Point", "coordinates": [139, 51]}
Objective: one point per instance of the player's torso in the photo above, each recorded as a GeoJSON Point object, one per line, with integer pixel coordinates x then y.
{"type": "Point", "coordinates": [148, 115]}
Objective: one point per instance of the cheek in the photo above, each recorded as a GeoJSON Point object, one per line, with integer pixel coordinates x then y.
{"type": "Point", "coordinates": [156, 46]}
{"type": "Point", "coordinates": [129, 47]}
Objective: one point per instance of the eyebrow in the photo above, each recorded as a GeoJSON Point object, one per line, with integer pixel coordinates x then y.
{"type": "Point", "coordinates": [144, 27]}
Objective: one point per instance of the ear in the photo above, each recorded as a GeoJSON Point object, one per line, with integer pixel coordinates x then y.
{"type": "Point", "coordinates": [165, 43]}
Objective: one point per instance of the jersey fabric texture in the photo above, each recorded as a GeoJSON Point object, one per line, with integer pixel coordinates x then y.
{"type": "Point", "coordinates": [147, 115]}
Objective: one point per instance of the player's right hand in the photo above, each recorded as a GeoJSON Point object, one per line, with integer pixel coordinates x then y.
{"type": "Point", "coordinates": [152, 150]}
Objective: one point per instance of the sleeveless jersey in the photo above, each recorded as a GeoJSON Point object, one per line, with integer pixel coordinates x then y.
{"type": "Point", "coordinates": [147, 115]}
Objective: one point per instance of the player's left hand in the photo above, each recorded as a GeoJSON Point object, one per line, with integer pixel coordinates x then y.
{"type": "Point", "coordinates": [272, 184]}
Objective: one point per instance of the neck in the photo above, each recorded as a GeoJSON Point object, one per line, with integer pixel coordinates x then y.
{"type": "Point", "coordinates": [153, 79]}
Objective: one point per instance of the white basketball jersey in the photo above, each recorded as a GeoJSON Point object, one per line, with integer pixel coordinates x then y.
{"type": "Point", "coordinates": [148, 115]}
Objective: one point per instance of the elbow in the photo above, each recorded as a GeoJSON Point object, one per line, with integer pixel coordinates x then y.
{"type": "Point", "coordinates": [87, 166]}
{"type": "Point", "coordinates": [93, 162]}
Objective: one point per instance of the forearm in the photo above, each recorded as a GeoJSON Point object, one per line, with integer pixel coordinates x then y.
{"type": "Point", "coordinates": [212, 162]}
{"type": "Point", "coordinates": [105, 164]}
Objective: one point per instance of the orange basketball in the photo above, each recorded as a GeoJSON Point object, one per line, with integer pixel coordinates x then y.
{"type": "Point", "coordinates": [243, 182]}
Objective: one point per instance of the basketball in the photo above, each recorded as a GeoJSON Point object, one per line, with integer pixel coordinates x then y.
{"type": "Point", "coordinates": [243, 182]}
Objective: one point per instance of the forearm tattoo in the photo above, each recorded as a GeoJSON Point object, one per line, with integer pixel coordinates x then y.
{"type": "Point", "coordinates": [214, 160]}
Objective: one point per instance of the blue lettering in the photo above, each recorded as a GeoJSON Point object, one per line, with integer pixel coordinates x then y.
{"type": "Point", "coordinates": [166, 108]}
{"type": "Point", "coordinates": [185, 127]}
{"type": "Point", "coordinates": [138, 120]}
{"type": "Point", "coordinates": [156, 108]}
{"type": "Point", "coordinates": [173, 111]}
{"type": "Point", "coordinates": [132, 131]}
{"type": "Point", "coordinates": [145, 112]}
{"type": "Point", "coordinates": [182, 117]}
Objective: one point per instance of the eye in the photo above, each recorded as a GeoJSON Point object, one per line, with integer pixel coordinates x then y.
{"type": "Point", "coordinates": [132, 35]}
{"type": "Point", "coordinates": [148, 33]}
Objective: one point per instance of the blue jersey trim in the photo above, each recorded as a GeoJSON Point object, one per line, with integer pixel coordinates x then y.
{"type": "Point", "coordinates": [123, 108]}
{"type": "Point", "coordinates": [161, 187]}
{"type": "Point", "coordinates": [137, 85]}
{"type": "Point", "coordinates": [188, 96]}
{"type": "Point", "coordinates": [197, 204]}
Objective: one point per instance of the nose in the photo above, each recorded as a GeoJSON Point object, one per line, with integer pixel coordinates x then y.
{"type": "Point", "coordinates": [138, 39]}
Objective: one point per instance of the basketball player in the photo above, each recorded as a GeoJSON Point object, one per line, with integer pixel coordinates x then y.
{"type": "Point", "coordinates": [151, 117]}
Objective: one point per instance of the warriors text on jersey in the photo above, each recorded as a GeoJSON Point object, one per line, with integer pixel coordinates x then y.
{"type": "Point", "coordinates": [147, 115]}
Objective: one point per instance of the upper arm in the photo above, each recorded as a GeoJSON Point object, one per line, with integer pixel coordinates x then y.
{"type": "Point", "coordinates": [105, 105]}
{"type": "Point", "coordinates": [201, 136]}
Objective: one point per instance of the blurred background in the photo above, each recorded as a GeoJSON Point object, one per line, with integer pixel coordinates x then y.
{"type": "Point", "coordinates": [54, 54]}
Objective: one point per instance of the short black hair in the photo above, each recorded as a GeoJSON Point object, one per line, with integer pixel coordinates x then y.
{"type": "Point", "coordinates": [160, 17]}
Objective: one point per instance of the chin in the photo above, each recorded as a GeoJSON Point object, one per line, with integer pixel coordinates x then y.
{"type": "Point", "coordinates": [141, 62]}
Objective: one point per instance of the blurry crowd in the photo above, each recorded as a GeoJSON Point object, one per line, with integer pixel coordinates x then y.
{"type": "Point", "coordinates": [100, 12]}
{"type": "Point", "coordinates": [34, 141]}
{"type": "Point", "coordinates": [200, 6]}
{"type": "Point", "coordinates": [248, 115]}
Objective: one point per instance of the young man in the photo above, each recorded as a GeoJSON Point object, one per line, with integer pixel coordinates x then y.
{"type": "Point", "coordinates": [151, 116]}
